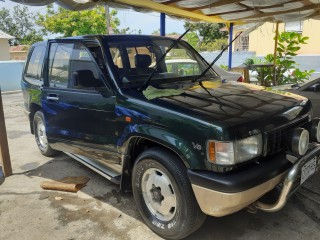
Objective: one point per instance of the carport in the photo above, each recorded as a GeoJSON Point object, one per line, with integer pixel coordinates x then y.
{"type": "Point", "coordinates": [233, 12]}
{"type": "Point", "coordinates": [88, 207]}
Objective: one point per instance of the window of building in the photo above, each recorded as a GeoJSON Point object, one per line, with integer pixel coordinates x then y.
{"type": "Point", "coordinates": [296, 26]}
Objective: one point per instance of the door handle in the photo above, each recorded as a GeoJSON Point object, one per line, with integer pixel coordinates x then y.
{"type": "Point", "coordinates": [53, 98]}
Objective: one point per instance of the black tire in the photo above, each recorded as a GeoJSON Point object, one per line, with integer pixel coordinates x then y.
{"type": "Point", "coordinates": [41, 137]}
{"type": "Point", "coordinates": [185, 216]}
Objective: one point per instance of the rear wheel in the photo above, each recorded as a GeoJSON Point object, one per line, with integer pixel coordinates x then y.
{"type": "Point", "coordinates": [164, 195]}
{"type": "Point", "coordinates": [39, 127]}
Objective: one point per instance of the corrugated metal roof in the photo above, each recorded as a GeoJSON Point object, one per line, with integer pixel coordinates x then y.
{"type": "Point", "coordinates": [208, 10]}
{"type": "Point", "coordinates": [4, 35]}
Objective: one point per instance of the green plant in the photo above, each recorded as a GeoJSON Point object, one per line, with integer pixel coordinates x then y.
{"type": "Point", "coordinates": [288, 45]}
{"type": "Point", "coordinates": [225, 67]}
{"type": "Point", "coordinates": [300, 76]}
{"type": "Point", "coordinates": [215, 45]}
{"type": "Point", "coordinates": [285, 71]}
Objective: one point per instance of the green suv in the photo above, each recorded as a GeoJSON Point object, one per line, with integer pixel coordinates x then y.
{"type": "Point", "coordinates": [187, 145]}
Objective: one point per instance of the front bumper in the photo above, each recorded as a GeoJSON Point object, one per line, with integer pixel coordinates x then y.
{"type": "Point", "coordinates": [231, 196]}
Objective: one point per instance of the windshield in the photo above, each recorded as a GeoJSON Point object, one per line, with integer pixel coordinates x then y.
{"type": "Point", "coordinates": [135, 61]}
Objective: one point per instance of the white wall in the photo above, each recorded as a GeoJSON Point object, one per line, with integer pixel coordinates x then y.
{"type": "Point", "coordinates": [10, 75]}
{"type": "Point", "coordinates": [4, 50]}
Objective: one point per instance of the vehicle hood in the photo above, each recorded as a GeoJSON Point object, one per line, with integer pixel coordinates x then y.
{"type": "Point", "coordinates": [244, 107]}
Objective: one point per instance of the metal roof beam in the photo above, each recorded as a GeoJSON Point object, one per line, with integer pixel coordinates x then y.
{"type": "Point", "coordinates": [171, 10]}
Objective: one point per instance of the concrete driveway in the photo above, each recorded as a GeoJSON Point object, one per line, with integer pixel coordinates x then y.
{"type": "Point", "coordinates": [100, 211]}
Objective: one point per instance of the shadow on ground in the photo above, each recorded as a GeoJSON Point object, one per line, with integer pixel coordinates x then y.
{"type": "Point", "coordinates": [241, 225]}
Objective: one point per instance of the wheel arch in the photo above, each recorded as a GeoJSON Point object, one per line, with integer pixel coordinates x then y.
{"type": "Point", "coordinates": [33, 109]}
{"type": "Point", "coordinates": [134, 146]}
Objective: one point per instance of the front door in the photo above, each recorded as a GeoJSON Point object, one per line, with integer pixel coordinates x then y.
{"type": "Point", "coordinates": [79, 119]}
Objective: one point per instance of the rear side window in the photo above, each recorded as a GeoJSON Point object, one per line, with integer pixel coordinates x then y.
{"type": "Point", "coordinates": [34, 67]}
{"type": "Point", "coordinates": [59, 64]}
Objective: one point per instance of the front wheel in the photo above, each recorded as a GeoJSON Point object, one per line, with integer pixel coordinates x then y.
{"type": "Point", "coordinates": [164, 195]}
{"type": "Point", "coordinates": [39, 127]}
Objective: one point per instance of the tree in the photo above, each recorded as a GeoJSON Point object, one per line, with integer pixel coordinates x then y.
{"type": "Point", "coordinates": [206, 36]}
{"type": "Point", "coordinates": [157, 32]}
{"type": "Point", "coordinates": [21, 25]}
{"type": "Point", "coordinates": [209, 31]}
{"type": "Point", "coordinates": [74, 23]}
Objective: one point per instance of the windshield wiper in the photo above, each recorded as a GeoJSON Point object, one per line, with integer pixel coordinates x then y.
{"type": "Point", "coordinates": [215, 60]}
{"type": "Point", "coordinates": [146, 83]}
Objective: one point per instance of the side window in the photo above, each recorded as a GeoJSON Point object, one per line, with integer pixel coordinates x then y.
{"type": "Point", "coordinates": [59, 63]}
{"type": "Point", "coordinates": [35, 63]}
{"type": "Point", "coordinates": [116, 57]}
{"type": "Point", "coordinates": [84, 73]}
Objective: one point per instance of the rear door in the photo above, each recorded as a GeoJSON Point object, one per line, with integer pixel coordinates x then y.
{"type": "Point", "coordinates": [32, 78]}
{"type": "Point", "coordinates": [79, 118]}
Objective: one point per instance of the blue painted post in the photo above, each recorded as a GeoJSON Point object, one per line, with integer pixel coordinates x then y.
{"type": "Point", "coordinates": [162, 24]}
{"type": "Point", "coordinates": [230, 47]}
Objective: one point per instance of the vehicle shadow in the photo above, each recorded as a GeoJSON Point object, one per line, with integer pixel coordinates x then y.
{"type": "Point", "coordinates": [241, 225]}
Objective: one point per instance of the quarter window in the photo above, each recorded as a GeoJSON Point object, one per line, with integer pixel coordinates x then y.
{"type": "Point", "coordinates": [35, 63]}
{"type": "Point", "coordinates": [59, 62]}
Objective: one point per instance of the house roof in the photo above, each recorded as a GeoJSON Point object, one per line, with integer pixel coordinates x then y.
{"type": "Point", "coordinates": [237, 11]}
{"type": "Point", "coordinates": [4, 35]}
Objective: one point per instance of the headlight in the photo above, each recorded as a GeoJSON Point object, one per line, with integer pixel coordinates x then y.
{"type": "Point", "coordinates": [230, 153]}
{"type": "Point", "coordinates": [298, 141]}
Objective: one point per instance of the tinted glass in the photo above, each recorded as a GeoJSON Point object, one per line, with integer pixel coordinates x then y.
{"type": "Point", "coordinates": [59, 62]}
{"type": "Point", "coordinates": [84, 72]}
{"type": "Point", "coordinates": [34, 67]}
{"type": "Point", "coordinates": [134, 61]}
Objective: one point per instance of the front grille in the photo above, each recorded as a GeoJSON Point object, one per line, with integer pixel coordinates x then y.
{"type": "Point", "coordinates": [276, 137]}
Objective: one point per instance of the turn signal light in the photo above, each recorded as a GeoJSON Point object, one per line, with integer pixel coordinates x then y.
{"type": "Point", "coordinates": [212, 151]}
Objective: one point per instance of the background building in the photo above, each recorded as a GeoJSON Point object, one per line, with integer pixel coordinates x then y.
{"type": "Point", "coordinates": [4, 46]}
{"type": "Point", "coordinates": [261, 40]}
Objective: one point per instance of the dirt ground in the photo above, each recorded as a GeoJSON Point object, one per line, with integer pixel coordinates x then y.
{"type": "Point", "coordinates": [101, 211]}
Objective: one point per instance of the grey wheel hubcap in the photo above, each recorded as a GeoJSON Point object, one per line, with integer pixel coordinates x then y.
{"type": "Point", "coordinates": [158, 194]}
{"type": "Point", "coordinates": [41, 131]}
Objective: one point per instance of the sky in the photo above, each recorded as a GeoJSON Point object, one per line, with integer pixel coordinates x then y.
{"type": "Point", "coordinates": [147, 22]}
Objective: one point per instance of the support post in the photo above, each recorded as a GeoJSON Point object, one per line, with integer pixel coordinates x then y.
{"type": "Point", "coordinates": [162, 24]}
{"type": "Point", "coordinates": [107, 12]}
{"type": "Point", "coordinates": [4, 148]}
{"type": "Point", "coordinates": [230, 46]}
{"type": "Point", "coordinates": [275, 54]}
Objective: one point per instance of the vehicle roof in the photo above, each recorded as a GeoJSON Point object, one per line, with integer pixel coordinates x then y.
{"type": "Point", "coordinates": [115, 37]}
{"type": "Point", "coordinates": [120, 36]}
